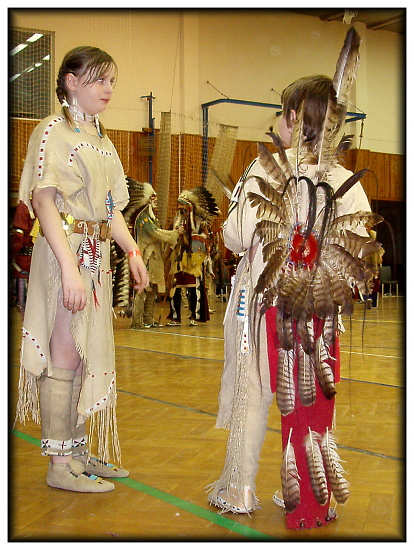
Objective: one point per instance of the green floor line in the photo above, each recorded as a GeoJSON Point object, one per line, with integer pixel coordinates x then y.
{"type": "Point", "coordinates": [194, 509]}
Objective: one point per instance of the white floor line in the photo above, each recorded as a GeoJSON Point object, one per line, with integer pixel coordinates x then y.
{"type": "Point", "coordinates": [371, 321]}
{"type": "Point", "coordinates": [371, 354]}
{"type": "Point", "coordinates": [179, 334]}
{"type": "Point", "coordinates": [217, 338]}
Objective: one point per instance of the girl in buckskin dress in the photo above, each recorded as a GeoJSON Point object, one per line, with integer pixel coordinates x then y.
{"type": "Point", "coordinates": [73, 181]}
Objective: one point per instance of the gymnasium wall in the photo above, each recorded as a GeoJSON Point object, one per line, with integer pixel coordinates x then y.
{"type": "Point", "coordinates": [243, 53]}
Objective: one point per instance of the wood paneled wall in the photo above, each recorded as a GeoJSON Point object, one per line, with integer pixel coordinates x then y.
{"type": "Point", "coordinates": [384, 181]}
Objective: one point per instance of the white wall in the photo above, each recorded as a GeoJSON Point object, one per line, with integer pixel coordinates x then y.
{"type": "Point", "coordinates": [243, 53]}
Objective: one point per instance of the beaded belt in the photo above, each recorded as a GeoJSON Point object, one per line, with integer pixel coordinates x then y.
{"type": "Point", "coordinates": [71, 225]}
{"type": "Point", "coordinates": [103, 230]}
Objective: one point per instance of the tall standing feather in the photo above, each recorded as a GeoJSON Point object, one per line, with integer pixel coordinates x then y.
{"type": "Point", "coordinates": [335, 112]}
{"type": "Point", "coordinates": [298, 137]}
{"type": "Point", "coordinates": [315, 467]}
{"type": "Point", "coordinates": [333, 468]}
{"type": "Point", "coordinates": [346, 66]}
{"type": "Point", "coordinates": [290, 477]}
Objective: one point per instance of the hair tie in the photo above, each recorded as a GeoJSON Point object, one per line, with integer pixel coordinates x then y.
{"type": "Point", "coordinates": [65, 103]}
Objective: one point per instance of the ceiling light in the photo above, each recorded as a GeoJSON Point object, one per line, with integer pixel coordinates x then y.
{"type": "Point", "coordinates": [38, 64]}
{"type": "Point", "coordinates": [18, 49]}
{"type": "Point", "coordinates": [15, 76]}
{"type": "Point", "coordinates": [29, 70]}
{"type": "Point", "coordinates": [46, 57]}
{"type": "Point", "coordinates": [34, 37]}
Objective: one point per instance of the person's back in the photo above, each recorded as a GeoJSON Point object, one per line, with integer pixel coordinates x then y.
{"type": "Point", "coordinates": [297, 218]}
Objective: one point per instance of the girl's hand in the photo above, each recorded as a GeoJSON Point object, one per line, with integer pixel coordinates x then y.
{"type": "Point", "coordinates": [139, 272]}
{"type": "Point", "coordinates": [74, 294]}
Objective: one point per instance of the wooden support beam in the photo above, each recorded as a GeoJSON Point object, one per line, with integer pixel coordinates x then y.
{"type": "Point", "coordinates": [391, 21]}
{"type": "Point", "coordinates": [332, 16]}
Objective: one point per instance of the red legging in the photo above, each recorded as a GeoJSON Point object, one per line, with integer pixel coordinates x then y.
{"type": "Point", "coordinates": [309, 513]}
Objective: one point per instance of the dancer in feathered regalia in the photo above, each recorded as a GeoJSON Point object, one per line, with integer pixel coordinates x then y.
{"type": "Point", "coordinates": [196, 209]}
{"type": "Point", "coordinates": [152, 240]}
{"type": "Point", "coordinates": [300, 218]}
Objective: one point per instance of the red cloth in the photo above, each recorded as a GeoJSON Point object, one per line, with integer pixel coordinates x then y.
{"type": "Point", "coordinates": [20, 242]}
{"type": "Point", "coordinates": [309, 513]}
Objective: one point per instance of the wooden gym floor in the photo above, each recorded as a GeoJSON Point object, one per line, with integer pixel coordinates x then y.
{"type": "Point", "coordinates": [168, 382]}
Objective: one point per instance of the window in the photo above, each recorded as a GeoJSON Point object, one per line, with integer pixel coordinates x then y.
{"type": "Point", "coordinates": [30, 73]}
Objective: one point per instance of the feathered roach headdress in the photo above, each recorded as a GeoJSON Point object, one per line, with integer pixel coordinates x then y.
{"type": "Point", "coordinates": [202, 200]}
{"type": "Point", "coordinates": [140, 194]}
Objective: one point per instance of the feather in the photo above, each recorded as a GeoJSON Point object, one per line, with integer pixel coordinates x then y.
{"type": "Point", "coordinates": [270, 165]}
{"type": "Point", "coordinates": [284, 162]}
{"type": "Point", "coordinates": [266, 209]}
{"type": "Point", "coordinates": [306, 378]}
{"type": "Point", "coordinates": [298, 136]}
{"type": "Point", "coordinates": [354, 243]}
{"type": "Point", "coordinates": [269, 297]}
{"type": "Point", "coordinates": [356, 220]}
{"type": "Point", "coordinates": [344, 144]}
{"type": "Point", "coordinates": [323, 370]}
{"type": "Point", "coordinates": [269, 231]}
{"type": "Point", "coordinates": [284, 330]}
{"type": "Point", "coordinates": [270, 192]}
{"type": "Point", "coordinates": [340, 291]}
{"type": "Point", "coordinates": [306, 310]}
{"type": "Point", "coordinates": [322, 298]}
{"type": "Point", "coordinates": [325, 149]}
{"type": "Point", "coordinates": [329, 330]}
{"type": "Point", "coordinates": [302, 302]}
{"type": "Point", "coordinates": [305, 333]}
{"type": "Point", "coordinates": [333, 468]}
{"type": "Point", "coordinates": [270, 273]}
{"type": "Point", "coordinates": [290, 477]}
{"type": "Point", "coordinates": [275, 247]}
{"type": "Point", "coordinates": [285, 387]}
{"type": "Point", "coordinates": [225, 187]}
{"type": "Point", "coordinates": [346, 67]}
{"type": "Point", "coordinates": [288, 287]}
{"type": "Point", "coordinates": [350, 182]}
{"type": "Point", "coordinates": [328, 210]}
{"type": "Point", "coordinates": [352, 269]}
{"type": "Point", "coordinates": [311, 207]}
{"type": "Point", "coordinates": [315, 468]}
